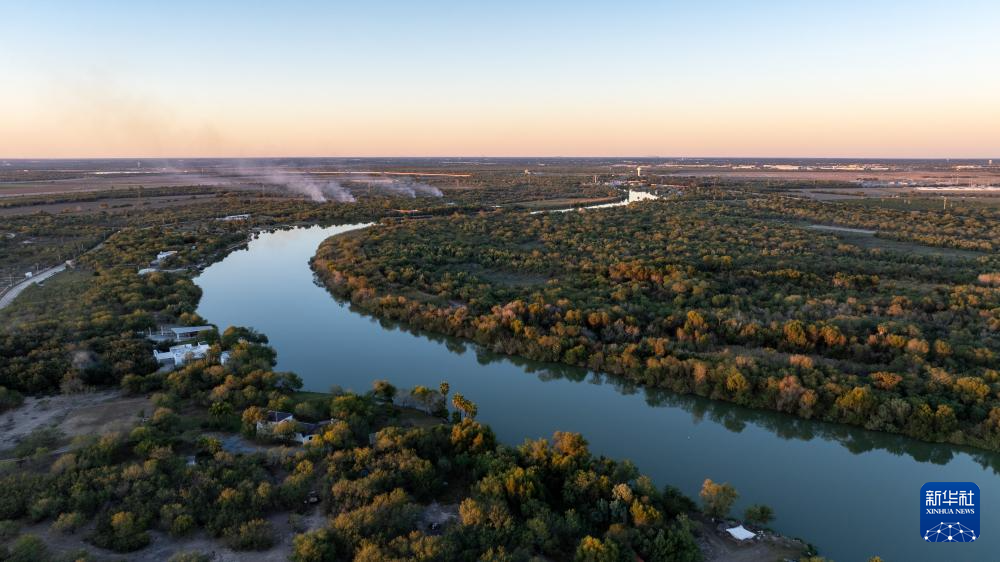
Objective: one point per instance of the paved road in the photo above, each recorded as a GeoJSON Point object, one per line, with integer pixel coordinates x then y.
{"type": "Point", "coordinates": [14, 291]}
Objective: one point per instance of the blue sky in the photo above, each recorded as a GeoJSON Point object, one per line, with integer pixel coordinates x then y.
{"type": "Point", "coordinates": [877, 78]}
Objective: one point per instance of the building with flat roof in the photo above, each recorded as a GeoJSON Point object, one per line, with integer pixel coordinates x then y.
{"type": "Point", "coordinates": [180, 354]}
{"type": "Point", "coordinates": [187, 332]}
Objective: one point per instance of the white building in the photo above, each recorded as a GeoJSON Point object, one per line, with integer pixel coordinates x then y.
{"type": "Point", "coordinates": [180, 354]}
{"type": "Point", "coordinates": [272, 419]}
{"type": "Point", "coordinates": [164, 255]}
{"type": "Point", "coordinates": [305, 433]}
{"type": "Point", "coordinates": [188, 332]}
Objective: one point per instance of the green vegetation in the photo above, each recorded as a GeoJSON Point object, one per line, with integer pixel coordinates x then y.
{"type": "Point", "coordinates": [722, 294]}
{"type": "Point", "coordinates": [758, 514]}
{"type": "Point", "coordinates": [541, 498]}
{"type": "Point", "coordinates": [717, 498]}
{"type": "Point", "coordinates": [971, 228]}
{"type": "Point", "coordinates": [82, 328]}
{"type": "Point", "coordinates": [374, 480]}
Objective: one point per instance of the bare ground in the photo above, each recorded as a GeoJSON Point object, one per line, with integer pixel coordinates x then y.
{"type": "Point", "coordinates": [91, 413]}
{"type": "Point", "coordinates": [770, 548]}
{"type": "Point", "coordinates": [109, 205]}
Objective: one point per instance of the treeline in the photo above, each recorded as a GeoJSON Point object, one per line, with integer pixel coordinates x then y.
{"type": "Point", "coordinates": [975, 228]}
{"type": "Point", "coordinates": [703, 296]}
{"type": "Point", "coordinates": [505, 188]}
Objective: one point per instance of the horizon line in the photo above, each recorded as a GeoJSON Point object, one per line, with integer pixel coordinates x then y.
{"type": "Point", "coordinates": [518, 157]}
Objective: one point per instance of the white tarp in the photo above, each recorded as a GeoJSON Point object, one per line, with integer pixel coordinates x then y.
{"type": "Point", "coordinates": [740, 534]}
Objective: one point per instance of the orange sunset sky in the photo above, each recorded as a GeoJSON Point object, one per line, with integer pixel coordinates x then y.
{"type": "Point", "coordinates": [714, 78]}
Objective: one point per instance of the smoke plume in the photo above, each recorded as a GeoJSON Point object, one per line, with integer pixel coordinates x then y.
{"type": "Point", "coordinates": [409, 188]}
{"type": "Point", "coordinates": [319, 191]}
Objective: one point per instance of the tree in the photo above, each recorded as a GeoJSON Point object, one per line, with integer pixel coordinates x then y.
{"type": "Point", "coordinates": [251, 416]}
{"type": "Point", "coordinates": [595, 550]}
{"type": "Point", "coordinates": [464, 405]}
{"type": "Point", "coordinates": [313, 546]}
{"type": "Point", "coordinates": [384, 391]}
{"type": "Point", "coordinates": [758, 514]}
{"type": "Point", "coordinates": [717, 499]}
{"type": "Point", "coordinates": [220, 409]}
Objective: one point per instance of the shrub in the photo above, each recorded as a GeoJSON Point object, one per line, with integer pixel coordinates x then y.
{"type": "Point", "coordinates": [68, 522]}
{"type": "Point", "coordinates": [255, 534]}
{"type": "Point", "coordinates": [120, 532]}
{"type": "Point", "coordinates": [314, 546]}
{"type": "Point", "coordinates": [759, 514]}
{"type": "Point", "coordinates": [37, 442]}
{"type": "Point", "coordinates": [43, 508]}
{"type": "Point", "coordinates": [181, 525]}
{"type": "Point", "coordinates": [9, 399]}
{"type": "Point", "coordinates": [28, 548]}
{"type": "Point", "coordinates": [8, 530]}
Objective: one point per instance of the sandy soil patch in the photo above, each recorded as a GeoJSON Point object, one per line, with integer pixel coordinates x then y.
{"type": "Point", "coordinates": [91, 413]}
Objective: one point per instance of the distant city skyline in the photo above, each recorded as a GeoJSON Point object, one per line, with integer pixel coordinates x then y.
{"type": "Point", "coordinates": [717, 78]}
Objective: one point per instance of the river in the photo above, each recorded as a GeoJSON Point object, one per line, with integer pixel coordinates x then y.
{"type": "Point", "coordinates": [853, 493]}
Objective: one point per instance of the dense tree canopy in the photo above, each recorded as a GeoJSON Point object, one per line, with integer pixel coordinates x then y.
{"type": "Point", "coordinates": [716, 294]}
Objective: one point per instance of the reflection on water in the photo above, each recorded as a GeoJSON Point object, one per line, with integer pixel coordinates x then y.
{"type": "Point", "coordinates": [732, 417]}
{"type": "Point", "coordinates": [852, 492]}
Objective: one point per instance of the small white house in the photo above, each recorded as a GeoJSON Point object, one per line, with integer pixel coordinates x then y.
{"type": "Point", "coordinates": [305, 432]}
{"type": "Point", "coordinates": [272, 419]}
{"type": "Point", "coordinates": [180, 354]}
{"type": "Point", "coordinates": [164, 255]}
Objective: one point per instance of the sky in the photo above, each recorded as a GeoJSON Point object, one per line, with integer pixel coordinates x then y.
{"type": "Point", "coordinates": [875, 78]}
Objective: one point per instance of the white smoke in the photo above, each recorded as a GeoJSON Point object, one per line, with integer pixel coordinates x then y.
{"type": "Point", "coordinates": [306, 184]}
{"type": "Point", "coordinates": [409, 188]}
{"type": "Point", "coordinates": [319, 191]}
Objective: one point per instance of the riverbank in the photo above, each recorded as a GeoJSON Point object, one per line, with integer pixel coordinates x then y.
{"type": "Point", "coordinates": [370, 454]}
{"type": "Point", "coordinates": [782, 459]}
{"type": "Point", "coordinates": [524, 287]}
